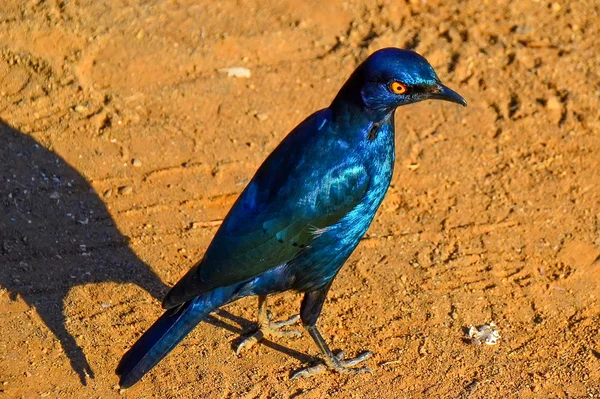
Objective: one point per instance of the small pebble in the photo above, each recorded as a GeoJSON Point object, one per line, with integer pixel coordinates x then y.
{"type": "Point", "coordinates": [486, 334]}
{"type": "Point", "coordinates": [553, 103]}
{"type": "Point", "coordinates": [55, 195]}
{"type": "Point", "coordinates": [125, 190]}
{"type": "Point", "coordinates": [136, 162]}
{"type": "Point", "coordinates": [80, 108]}
{"type": "Point", "coordinates": [236, 72]}
{"type": "Point", "coordinates": [108, 193]}
{"type": "Point", "coordinates": [554, 108]}
{"type": "Point", "coordinates": [261, 117]}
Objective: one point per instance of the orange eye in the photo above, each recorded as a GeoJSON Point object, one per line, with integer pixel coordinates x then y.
{"type": "Point", "coordinates": [398, 88]}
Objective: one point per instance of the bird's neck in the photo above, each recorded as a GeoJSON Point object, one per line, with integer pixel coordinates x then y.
{"type": "Point", "coordinates": [354, 114]}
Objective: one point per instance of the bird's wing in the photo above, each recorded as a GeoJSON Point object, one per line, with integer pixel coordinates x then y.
{"type": "Point", "coordinates": [272, 221]}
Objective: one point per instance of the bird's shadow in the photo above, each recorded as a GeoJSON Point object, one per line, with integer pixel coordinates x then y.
{"type": "Point", "coordinates": [244, 328]}
{"type": "Point", "coordinates": [56, 234]}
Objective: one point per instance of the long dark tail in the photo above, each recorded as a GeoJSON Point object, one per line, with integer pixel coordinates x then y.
{"type": "Point", "coordinates": [167, 332]}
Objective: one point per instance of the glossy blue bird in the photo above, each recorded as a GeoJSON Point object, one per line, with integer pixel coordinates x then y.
{"type": "Point", "coordinates": [302, 214]}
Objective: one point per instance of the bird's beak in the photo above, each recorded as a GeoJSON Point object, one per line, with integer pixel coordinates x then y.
{"type": "Point", "coordinates": [444, 93]}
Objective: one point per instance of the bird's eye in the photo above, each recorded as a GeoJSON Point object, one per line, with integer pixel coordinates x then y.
{"type": "Point", "coordinates": [398, 88]}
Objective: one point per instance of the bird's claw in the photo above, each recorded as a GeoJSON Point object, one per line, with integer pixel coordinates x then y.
{"type": "Point", "coordinates": [268, 330]}
{"type": "Point", "coordinates": [337, 364]}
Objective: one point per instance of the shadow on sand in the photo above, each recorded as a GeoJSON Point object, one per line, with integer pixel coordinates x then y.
{"type": "Point", "coordinates": [56, 233]}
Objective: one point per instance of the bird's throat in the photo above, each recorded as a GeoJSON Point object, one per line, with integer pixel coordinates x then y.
{"type": "Point", "coordinates": [375, 127]}
{"type": "Point", "coordinates": [374, 131]}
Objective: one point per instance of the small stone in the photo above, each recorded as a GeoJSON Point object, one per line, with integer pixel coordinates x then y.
{"type": "Point", "coordinates": [55, 195]}
{"type": "Point", "coordinates": [210, 223]}
{"type": "Point", "coordinates": [107, 193]}
{"type": "Point", "coordinates": [556, 7]}
{"type": "Point", "coordinates": [554, 107]}
{"type": "Point", "coordinates": [261, 117]}
{"type": "Point", "coordinates": [526, 59]}
{"type": "Point", "coordinates": [80, 108]}
{"type": "Point", "coordinates": [125, 190]}
{"type": "Point", "coordinates": [486, 334]}
{"type": "Point", "coordinates": [136, 162]}
{"type": "Point", "coordinates": [236, 72]}
{"type": "Point", "coordinates": [553, 103]}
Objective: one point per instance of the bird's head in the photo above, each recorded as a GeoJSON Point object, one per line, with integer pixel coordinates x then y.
{"type": "Point", "coordinates": [392, 77]}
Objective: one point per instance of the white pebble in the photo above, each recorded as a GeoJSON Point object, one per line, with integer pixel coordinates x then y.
{"type": "Point", "coordinates": [486, 334]}
{"type": "Point", "coordinates": [125, 190]}
{"type": "Point", "coordinates": [236, 72]}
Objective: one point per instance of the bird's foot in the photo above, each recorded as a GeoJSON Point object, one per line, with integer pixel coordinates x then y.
{"type": "Point", "coordinates": [338, 364]}
{"type": "Point", "coordinates": [269, 329]}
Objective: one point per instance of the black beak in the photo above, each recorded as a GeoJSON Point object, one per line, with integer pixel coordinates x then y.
{"type": "Point", "coordinates": [446, 94]}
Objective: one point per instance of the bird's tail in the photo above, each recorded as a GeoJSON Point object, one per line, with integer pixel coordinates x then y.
{"type": "Point", "coordinates": [166, 333]}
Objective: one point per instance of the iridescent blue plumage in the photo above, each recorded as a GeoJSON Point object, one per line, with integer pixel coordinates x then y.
{"type": "Point", "coordinates": [304, 211]}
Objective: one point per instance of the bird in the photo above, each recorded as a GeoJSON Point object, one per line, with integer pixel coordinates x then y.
{"type": "Point", "coordinates": [301, 216]}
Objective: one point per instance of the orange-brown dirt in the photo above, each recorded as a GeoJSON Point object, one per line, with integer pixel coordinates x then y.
{"type": "Point", "coordinates": [122, 147]}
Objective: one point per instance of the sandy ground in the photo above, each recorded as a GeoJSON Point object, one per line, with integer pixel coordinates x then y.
{"type": "Point", "coordinates": [122, 147]}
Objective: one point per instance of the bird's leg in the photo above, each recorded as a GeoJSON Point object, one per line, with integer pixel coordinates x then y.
{"type": "Point", "coordinates": [309, 312]}
{"type": "Point", "coordinates": [268, 328]}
